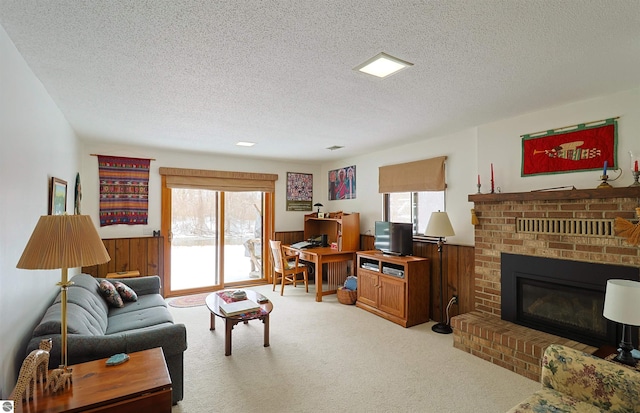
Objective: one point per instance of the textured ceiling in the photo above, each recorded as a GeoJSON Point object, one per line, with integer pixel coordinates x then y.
{"type": "Point", "coordinates": [202, 75]}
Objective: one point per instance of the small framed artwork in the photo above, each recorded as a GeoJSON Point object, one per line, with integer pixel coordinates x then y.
{"type": "Point", "coordinates": [320, 214]}
{"type": "Point", "coordinates": [299, 191]}
{"type": "Point", "coordinates": [57, 197]}
{"type": "Point", "coordinates": [342, 183]}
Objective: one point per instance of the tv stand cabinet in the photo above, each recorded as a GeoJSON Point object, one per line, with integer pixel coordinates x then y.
{"type": "Point", "coordinates": [393, 287]}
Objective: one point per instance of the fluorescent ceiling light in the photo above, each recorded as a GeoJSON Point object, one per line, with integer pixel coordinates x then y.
{"type": "Point", "coordinates": [245, 143]}
{"type": "Point", "coordinates": [382, 65]}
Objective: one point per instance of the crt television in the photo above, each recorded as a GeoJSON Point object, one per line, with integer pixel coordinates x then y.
{"type": "Point", "coordinates": [394, 238]}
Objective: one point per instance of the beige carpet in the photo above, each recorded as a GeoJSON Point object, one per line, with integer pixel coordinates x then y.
{"type": "Point", "coordinates": [330, 357]}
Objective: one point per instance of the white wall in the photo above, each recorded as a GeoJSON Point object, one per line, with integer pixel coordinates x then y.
{"type": "Point", "coordinates": [285, 220]}
{"type": "Point", "coordinates": [37, 143]}
{"type": "Point", "coordinates": [500, 142]}
{"type": "Point", "coordinates": [461, 163]}
{"type": "Point", "coordinates": [470, 152]}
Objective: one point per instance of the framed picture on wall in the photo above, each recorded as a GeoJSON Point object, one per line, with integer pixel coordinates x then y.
{"type": "Point", "coordinates": [57, 197]}
{"type": "Point", "coordinates": [342, 183]}
{"type": "Point", "coordinates": [299, 191]}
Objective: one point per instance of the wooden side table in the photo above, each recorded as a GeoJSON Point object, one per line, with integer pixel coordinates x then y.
{"type": "Point", "coordinates": [139, 385]}
{"type": "Point", "coordinates": [608, 352]}
{"type": "Point", "coordinates": [124, 274]}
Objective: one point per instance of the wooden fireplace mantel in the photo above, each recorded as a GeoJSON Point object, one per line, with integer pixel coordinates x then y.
{"type": "Point", "coordinates": [625, 192]}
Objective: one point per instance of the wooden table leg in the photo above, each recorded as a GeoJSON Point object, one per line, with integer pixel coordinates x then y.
{"type": "Point", "coordinates": [318, 280]}
{"type": "Point", "coordinates": [265, 321]}
{"type": "Point", "coordinates": [212, 325]}
{"type": "Point", "coordinates": [227, 336]}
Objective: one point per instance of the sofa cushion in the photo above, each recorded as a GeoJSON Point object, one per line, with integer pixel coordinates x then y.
{"type": "Point", "coordinates": [125, 291]}
{"type": "Point", "coordinates": [110, 294]}
{"type": "Point", "coordinates": [79, 321]}
{"type": "Point", "coordinates": [549, 400]}
{"type": "Point", "coordinates": [139, 318]}
{"type": "Point", "coordinates": [86, 312]}
{"type": "Point", "coordinates": [144, 301]}
{"type": "Point", "coordinates": [591, 379]}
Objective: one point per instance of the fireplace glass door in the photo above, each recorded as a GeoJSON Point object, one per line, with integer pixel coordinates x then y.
{"type": "Point", "coordinates": [562, 308]}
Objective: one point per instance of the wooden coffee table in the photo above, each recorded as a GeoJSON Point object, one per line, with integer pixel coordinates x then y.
{"type": "Point", "coordinates": [139, 385]}
{"type": "Point", "coordinates": [213, 304]}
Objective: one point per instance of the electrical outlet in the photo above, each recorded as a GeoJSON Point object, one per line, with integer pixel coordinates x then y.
{"type": "Point", "coordinates": [455, 299]}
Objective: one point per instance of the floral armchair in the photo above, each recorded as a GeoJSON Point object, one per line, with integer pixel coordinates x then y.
{"type": "Point", "coordinates": [573, 381]}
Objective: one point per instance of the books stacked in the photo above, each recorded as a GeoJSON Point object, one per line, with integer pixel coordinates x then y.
{"type": "Point", "coordinates": [238, 307]}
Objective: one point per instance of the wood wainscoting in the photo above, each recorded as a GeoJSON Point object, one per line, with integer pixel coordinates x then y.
{"type": "Point", "coordinates": [144, 254]}
{"type": "Point", "coordinates": [457, 272]}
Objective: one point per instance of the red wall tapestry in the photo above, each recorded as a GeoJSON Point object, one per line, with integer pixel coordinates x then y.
{"type": "Point", "coordinates": [586, 147]}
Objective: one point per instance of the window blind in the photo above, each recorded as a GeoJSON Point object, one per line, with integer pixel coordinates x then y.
{"type": "Point", "coordinates": [424, 175]}
{"type": "Point", "coordinates": [219, 180]}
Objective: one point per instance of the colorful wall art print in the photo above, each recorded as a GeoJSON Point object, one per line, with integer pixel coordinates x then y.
{"type": "Point", "coordinates": [342, 183]}
{"type": "Point", "coordinates": [571, 149]}
{"type": "Point", "coordinates": [124, 190]}
{"type": "Point", "coordinates": [299, 191]}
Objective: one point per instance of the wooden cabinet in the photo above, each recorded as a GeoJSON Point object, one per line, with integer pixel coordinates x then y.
{"type": "Point", "coordinates": [141, 385]}
{"type": "Point", "coordinates": [395, 288]}
{"type": "Point", "coordinates": [340, 227]}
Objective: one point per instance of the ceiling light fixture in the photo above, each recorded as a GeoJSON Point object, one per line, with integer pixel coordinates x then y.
{"type": "Point", "coordinates": [334, 147]}
{"type": "Point", "coordinates": [241, 143]}
{"type": "Point", "coordinates": [382, 65]}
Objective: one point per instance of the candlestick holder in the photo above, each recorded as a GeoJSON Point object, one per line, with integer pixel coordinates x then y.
{"type": "Point", "coordinates": [478, 185]}
{"type": "Point", "coordinates": [636, 175]}
{"type": "Point", "coordinates": [604, 184]}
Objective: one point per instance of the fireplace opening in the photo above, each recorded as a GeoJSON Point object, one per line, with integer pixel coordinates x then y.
{"type": "Point", "coordinates": [560, 297]}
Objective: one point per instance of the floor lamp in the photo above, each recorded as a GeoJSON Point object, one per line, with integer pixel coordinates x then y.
{"type": "Point", "coordinates": [63, 242]}
{"type": "Point", "coordinates": [622, 305]}
{"type": "Point", "coordinates": [440, 226]}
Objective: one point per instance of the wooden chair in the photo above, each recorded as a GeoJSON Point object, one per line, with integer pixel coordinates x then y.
{"type": "Point", "coordinates": [286, 268]}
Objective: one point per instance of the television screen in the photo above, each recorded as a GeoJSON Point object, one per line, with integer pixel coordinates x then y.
{"type": "Point", "coordinates": [394, 238]}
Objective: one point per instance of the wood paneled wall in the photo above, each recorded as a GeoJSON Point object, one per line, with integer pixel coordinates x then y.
{"type": "Point", "coordinates": [144, 254]}
{"type": "Point", "coordinates": [457, 272]}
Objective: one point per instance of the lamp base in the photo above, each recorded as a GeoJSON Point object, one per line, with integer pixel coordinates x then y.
{"type": "Point", "coordinates": [442, 328]}
{"type": "Point", "coordinates": [624, 356]}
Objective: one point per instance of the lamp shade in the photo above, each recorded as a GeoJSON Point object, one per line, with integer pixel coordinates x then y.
{"type": "Point", "coordinates": [439, 225]}
{"type": "Point", "coordinates": [622, 302]}
{"type": "Point", "coordinates": [63, 241]}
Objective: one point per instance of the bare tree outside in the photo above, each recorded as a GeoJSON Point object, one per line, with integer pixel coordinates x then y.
{"type": "Point", "coordinates": [195, 239]}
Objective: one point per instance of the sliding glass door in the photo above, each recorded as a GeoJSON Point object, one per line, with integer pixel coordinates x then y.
{"type": "Point", "coordinates": [194, 239]}
{"type": "Point", "coordinates": [215, 239]}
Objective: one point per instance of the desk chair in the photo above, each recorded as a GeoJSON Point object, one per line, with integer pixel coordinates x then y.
{"type": "Point", "coordinates": [286, 268]}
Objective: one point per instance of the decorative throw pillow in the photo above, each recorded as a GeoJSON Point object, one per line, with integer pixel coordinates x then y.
{"type": "Point", "coordinates": [110, 294]}
{"type": "Point", "coordinates": [125, 291]}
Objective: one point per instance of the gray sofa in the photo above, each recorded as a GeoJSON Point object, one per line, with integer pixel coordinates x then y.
{"type": "Point", "coordinates": [97, 331]}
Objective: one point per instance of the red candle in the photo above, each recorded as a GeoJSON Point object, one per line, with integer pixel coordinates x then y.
{"type": "Point", "coordinates": [491, 177]}
{"type": "Point", "coordinates": [479, 175]}
{"type": "Point", "coordinates": [635, 168]}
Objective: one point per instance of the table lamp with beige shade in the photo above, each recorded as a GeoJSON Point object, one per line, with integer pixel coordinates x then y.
{"type": "Point", "coordinates": [63, 242]}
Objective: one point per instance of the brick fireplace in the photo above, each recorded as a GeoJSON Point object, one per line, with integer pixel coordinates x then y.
{"type": "Point", "coordinates": [572, 225]}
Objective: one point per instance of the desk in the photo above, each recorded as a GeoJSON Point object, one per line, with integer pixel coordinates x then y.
{"type": "Point", "coordinates": [336, 274]}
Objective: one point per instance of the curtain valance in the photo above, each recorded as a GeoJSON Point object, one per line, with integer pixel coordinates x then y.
{"type": "Point", "coordinates": [219, 180]}
{"type": "Point", "coordinates": [424, 175]}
